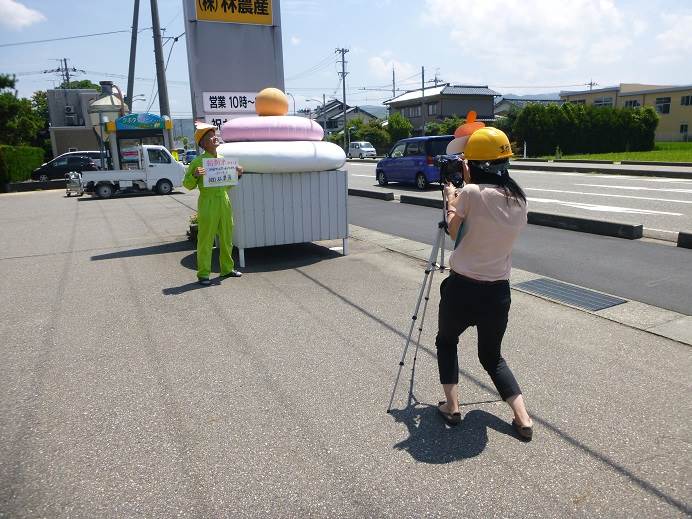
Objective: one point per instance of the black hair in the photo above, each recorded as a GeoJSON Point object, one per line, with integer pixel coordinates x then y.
{"type": "Point", "coordinates": [495, 172]}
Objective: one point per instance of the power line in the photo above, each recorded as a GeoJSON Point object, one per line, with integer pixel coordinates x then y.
{"type": "Point", "coordinates": [14, 44]}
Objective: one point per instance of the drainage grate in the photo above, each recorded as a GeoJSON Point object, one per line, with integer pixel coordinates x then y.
{"type": "Point", "coordinates": [575, 296]}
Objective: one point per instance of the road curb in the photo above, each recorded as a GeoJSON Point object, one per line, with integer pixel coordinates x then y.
{"type": "Point", "coordinates": [601, 227]}
{"type": "Point", "coordinates": [380, 195]}
{"type": "Point", "coordinates": [20, 187]}
{"type": "Point", "coordinates": [685, 240]}
{"type": "Point", "coordinates": [419, 200]}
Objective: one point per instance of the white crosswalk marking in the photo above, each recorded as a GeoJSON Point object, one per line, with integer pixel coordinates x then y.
{"type": "Point", "coordinates": [638, 188]}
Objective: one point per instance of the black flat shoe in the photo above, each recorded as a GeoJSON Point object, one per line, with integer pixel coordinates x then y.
{"type": "Point", "coordinates": [204, 282]}
{"type": "Point", "coordinates": [451, 418]}
{"type": "Point", "coordinates": [232, 274]}
{"type": "Point", "coordinates": [525, 433]}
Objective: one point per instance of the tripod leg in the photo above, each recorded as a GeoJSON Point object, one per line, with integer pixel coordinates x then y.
{"type": "Point", "coordinates": [411, 398]}
{"type": "Point", "coordinates": [428, 269]}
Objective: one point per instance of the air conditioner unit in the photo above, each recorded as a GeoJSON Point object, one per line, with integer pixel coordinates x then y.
{"type": "Point", "coordinates": [69, 109]}
{"type": "Point", "coordinates": [70, 120]}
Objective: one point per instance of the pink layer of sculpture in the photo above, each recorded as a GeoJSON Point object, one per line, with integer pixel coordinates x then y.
{"type": "Point", "coordinates": [271, 128]}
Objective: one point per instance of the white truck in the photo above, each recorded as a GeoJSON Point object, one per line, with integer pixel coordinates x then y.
{"type": "Point", "coordinates": [155, 169]}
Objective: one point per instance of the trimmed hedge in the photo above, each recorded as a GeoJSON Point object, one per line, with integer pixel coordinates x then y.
{"type": "Point", "coordinates": [17, 163]}
{"type": "Point", "coordinates": [577, 129]}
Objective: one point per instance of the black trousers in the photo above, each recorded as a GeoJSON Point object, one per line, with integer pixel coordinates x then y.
{"type": "Point", "coordinates": [467, 303]}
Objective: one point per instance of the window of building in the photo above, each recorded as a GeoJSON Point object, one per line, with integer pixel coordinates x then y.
{"type": "Point", "coordinates": [432, 108]}
{"type": "Point", "coordinates": [663, 105]}
{"type": "Point", "coordinates": [414, 111]}
{"type": "Point", "coordinates": [578, 101]}
{"type": "Point", "coordinates": [603, 101]}
{"type": "Point", "coordinates": [686, 100]}
{"type": "Point", "coordinates": [632, 103]}
{"type": "Point", "coordinates": [683, 128]}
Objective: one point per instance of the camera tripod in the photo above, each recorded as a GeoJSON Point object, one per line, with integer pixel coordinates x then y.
{"type": "Point", "coordinates": [430, 268]}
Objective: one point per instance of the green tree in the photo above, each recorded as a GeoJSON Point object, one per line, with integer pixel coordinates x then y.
{"type": "Point", "coordinates": [375, 134]}
{"type": "Point", "coordinates": [39, 104]}
{"type": "Point", "coordinates": [19, 124]}
{"type": "Point", "coordinates": [398, 127]}
{"type": "Point", "coordinates": [82, 83]}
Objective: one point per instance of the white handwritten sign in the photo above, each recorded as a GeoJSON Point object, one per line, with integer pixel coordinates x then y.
{"type": "Point", "coordinates": [220, 172]}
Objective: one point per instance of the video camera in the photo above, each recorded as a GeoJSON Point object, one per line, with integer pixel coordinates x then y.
{"type": "Point", "coordinates": [450, 169]}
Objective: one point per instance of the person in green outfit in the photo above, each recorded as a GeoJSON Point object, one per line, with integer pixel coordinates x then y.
{"type": "Point", "coordinates": [214, 212]}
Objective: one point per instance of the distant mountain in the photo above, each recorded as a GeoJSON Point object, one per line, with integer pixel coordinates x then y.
{"type": "Point", "coordinates": [534, 97]}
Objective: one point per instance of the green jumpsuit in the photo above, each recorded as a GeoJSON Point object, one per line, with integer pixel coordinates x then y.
{"type": "Point", "coordinates": [214, 216]}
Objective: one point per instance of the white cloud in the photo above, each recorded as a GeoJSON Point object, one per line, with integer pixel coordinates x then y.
{"type": "Point", "coordinates": [15, 15]}
{"type": "Point", "coordinates": [295, 40]}
{"type": "Point", "coordinates": [532, 39]}
{"type": "Point", "coordinates": [675, 39]}
{"type": "Point", "coordinates": [381, 67]}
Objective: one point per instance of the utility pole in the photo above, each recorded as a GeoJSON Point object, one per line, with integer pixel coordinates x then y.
{"type": "Point", "coordinates": [66, 75]}
{"type": "Point", "coordinates": [592, 84]}
{"type": "Point", "coordinates": [164, 109]}
{"type": "Point", "coordinates": [343, 75]}
{"type": "Point", "coordinates": [324, 113]}
{"type": "Point", "coordinates": [422, 98]}
{"type": "Point", "coordinates": [133, 53]}
{"type": "Point", "coordinates": [393, 84]}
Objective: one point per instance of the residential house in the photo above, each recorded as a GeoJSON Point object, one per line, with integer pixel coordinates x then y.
{"type": "Point", "coordinates": [505, 103]}
{"type": "Point", "coordinates": [70, 127]}
{"type": "Point", "coordinates": [439, 102]}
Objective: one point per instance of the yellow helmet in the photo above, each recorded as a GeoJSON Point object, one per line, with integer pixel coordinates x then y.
{"type": "Point", "coordinates": [488, 144]}
{"type": "Point", "coordinates": [201, 130]}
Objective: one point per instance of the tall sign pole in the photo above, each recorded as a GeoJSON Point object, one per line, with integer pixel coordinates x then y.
{"type": "Point", "coordinates": [164, 109]}
{"type": "Point", "coordinates": [133, 54]}
{"type": "Point", "coordinates": [233, 51]}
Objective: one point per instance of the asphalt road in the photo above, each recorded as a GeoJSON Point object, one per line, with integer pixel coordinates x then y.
{"type": "Point", "coordinates": [127, 390]}
{"type": "Point", "coordinates": [659, 275]}
{"type": "Point", "coordinates": [657, 203]}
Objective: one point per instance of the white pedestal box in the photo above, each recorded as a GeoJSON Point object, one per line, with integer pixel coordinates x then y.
{"type": "Point", "coordinates": [282, 208]}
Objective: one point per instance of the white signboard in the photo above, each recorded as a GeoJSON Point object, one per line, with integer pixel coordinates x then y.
{"type": "Point", "coordinates": [229, 102]}
{"type": "Point", "coordinates": [220, 172]}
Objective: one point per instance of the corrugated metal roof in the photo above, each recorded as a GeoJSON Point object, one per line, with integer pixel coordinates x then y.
{"type": "Point", "coordinates": [469, 90]}
{"type": "Point", "coordinates": [416, 94]}
{"type": "Point", "coordinates": [657, 90]}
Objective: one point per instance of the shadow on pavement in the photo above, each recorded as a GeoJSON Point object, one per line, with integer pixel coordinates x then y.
{"type": "Point", "coordinates": [187, 287]}
{"type": "Point", "coordinates": [432, 441]}
{"type": "Point", "coordinates": [119, 196]}
{"type": "Point", "coordinates": [164, 248]}
{"type": "Point", "coordinates": [269, 259]}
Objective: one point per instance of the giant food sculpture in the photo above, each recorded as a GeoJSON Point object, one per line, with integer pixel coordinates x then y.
{"type": "Point", "coordinates": [278, 143]}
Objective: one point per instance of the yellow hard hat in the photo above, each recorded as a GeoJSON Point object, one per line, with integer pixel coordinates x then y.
{"type": "Point", "coordinates": [488, 144]}
{"type": "Point", "coordinates": [201, 130]}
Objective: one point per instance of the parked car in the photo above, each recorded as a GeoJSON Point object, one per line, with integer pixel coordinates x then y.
{"type": "Point", "coordinates": [189, 156]}
{"type": "Point", "coordinates": [60, 166]}
{"type": "Point", "coordinates": [411, 161]}
{"type": "Point", "coordinates": [361, 149]}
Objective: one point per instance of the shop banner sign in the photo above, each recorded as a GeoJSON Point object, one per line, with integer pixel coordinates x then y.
{"type": "Point", "coordinates": [229, 102]}
{"type": "Point", "coordinates": [257, 12]}
{"type": "Point", "coordinates": [220, 172]}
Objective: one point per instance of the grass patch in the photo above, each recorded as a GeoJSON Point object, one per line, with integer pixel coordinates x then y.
{"type": "Point", "coordinates": [662, 152]}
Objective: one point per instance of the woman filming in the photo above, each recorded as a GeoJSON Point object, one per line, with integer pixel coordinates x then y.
{"type": "Point", "coordinates": [484, 219]}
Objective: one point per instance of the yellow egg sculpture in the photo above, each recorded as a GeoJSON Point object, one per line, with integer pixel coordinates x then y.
{"type": "Point", "coordinates": [271, 101]}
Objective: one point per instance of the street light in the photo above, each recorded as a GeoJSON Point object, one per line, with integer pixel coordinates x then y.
{"type": "Point", "coordinates": [294, 102]}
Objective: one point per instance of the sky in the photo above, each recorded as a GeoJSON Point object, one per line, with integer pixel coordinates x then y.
{"type": "Point", "coordinates": [513, 46]}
